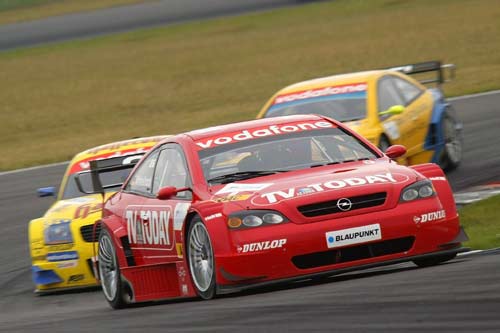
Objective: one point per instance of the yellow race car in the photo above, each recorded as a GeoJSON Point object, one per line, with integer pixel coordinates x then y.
{"type": "Point", "coordinates": [62, 241]}
{"type": "Point", "coordinates": [387, 107]}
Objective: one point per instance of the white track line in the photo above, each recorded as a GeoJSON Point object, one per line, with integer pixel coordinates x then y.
{"type": "Point", "coordinates": [493, 92]}
{"type": "Point", "coordinates": [32, 168]}
{"type": "Point", "coordinates": [458, 98]}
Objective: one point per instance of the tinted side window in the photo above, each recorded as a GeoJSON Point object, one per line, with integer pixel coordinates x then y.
{"type": "Point", "coordinates": [387, 95]}
{"type": "Point", "coordinates": [171, 171]}
{"type": "Point", "coordinates": [142, 179]}
{"type": "Point", "coordinates": [408, 90]}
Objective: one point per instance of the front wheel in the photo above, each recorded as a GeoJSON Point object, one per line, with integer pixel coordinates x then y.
{"type": "Point", "coordinates": [109, 271]}
{"type": "Point", "coordinates": [451, 155]}
{"type": "Point", "coordinates": [201, 259]}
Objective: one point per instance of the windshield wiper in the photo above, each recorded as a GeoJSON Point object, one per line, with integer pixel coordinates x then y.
{"type": "Point", "coordinates": [339, 162]}
{"type": "Point", "coordinates": [242, 175]}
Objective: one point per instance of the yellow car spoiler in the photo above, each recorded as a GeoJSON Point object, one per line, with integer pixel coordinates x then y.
{"type": "Point", "coordinates": [444, 72]}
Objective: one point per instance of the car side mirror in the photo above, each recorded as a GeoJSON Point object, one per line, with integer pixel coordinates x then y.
{"type": "Point", "coordinates": [393, 110]}
{"type": "Point", "coordinates": [46, 191]}
{"type": "Point", "coordinates": [168, 192]}
{"type": "Point", "coordinates": [395, 151]}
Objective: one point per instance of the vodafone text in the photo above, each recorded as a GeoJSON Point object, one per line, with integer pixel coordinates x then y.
{"type": "Point", "coordinates": [262, 132]}
{"type": "Point", "coordinates": [326, 91]}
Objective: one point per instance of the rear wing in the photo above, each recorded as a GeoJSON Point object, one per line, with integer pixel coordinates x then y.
{"type": "Point", "coordinates": [100, 167]}
{"type": "Point", "coordinates": [443, 73]}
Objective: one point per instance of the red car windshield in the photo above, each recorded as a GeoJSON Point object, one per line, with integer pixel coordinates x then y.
{"type": "Point", "coordinates": [262, 156]}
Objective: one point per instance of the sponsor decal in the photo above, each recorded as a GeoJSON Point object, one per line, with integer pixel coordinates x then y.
{"type": "Point", "coordinates": [184, 288]}
{"type": "Point", "coordinates": [277, 196]}
{"type": "Point", "coordinates": [234, 188]}
{"type": "Point", "coordinates": [262, 132]}
{"type": "Point", "coordinates": [261, 246]}
{"type": "Point", "coordinates": [180, 252]}
{"type": "Point", "coordinates": [320, 92]}
{"type": "Point", "coordinates": [213, 216]}
{"type": "Point", "coordinates": [236, 197]}
{"type": "Point", "coordinates": [429, 217]}
{"type": "Point", "coordinates": [181, 272]}
{"type": "Point", "coordinates": [113, 146]}
{"type": "Point", "coordinates": [437, 178]}
{"type": "Point", "coordinates": [67, 264]}
{"type": "Point", "coordinates": [59, 247]}
{"type": "Point", "coordinates": [75, 278]}
{"type": "Point", "coordinates": [353, 235]}
{"type": "Point", "coordinates": [304, 190]}
{"type": "Point", "coordinates": [180, 213]}
{"type": "Point", "coordinates": [149, 227]}
{"type": "Point", "coordinates": [85, 163]}
{"type": "Point", "coordinates": [85, 210]}
{"type": "Point", "coordinates": [61, 256]}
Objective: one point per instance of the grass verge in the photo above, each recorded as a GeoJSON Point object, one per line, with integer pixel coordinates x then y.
{"type": "Point", "coordinates": [60, 99]}
{"type": "Point", "coordinates": [482, 223]}
{"type": "Point", "coordinates": [12, 11]}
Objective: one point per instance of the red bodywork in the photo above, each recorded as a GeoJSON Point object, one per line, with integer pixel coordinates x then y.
{"type": "Point", "coordinates": [297, 248]}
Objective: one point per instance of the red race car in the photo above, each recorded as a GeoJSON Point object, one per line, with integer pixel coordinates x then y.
{"type": "Point", "coordinates": [279, 199]}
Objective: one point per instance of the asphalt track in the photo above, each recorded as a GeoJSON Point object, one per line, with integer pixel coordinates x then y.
{"type": "Point", "coordinates": [125, 18]}
{"type": "Point", "coordinates": [460, 296]}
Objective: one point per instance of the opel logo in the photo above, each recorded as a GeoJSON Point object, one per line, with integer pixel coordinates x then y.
{"type": "Point", "coordinates": [344, 204]}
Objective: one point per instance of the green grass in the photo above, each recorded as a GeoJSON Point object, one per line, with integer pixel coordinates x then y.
{"type": "Point", "coordinates": [60, 99]}
{"type": "Point", "coordinates": [12, 11]}
{"type": "Point", "coordinates": [482, 223]}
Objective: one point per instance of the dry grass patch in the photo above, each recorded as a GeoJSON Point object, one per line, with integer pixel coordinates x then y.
{"type": "Point", "coordinates": [57, 100]}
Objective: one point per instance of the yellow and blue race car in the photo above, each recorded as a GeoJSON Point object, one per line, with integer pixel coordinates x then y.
{"type": "Point", "coordinates": [62, 241]}
{"type": "Point", "coordinates": [387, 107]}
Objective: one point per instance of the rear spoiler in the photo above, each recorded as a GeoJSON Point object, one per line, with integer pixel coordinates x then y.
{"type": "Point", "coordinates": [98, 167]}
{"type": "Point", "coordinates": [429, 66]}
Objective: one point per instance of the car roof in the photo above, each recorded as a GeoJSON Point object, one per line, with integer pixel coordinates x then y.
{"type": "Point", "coordinates": [338, 79]}
{"type": "Point", "coordinates": [117, 147]}
{"type": "Point", "coordinates": [248, 125]}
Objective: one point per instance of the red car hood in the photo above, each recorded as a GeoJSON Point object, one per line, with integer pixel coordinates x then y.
{"type": "Point", "coordinates": [288, 192]}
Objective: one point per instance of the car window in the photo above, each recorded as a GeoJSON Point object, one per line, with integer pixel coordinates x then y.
{"type": "Point", "coordinates": [387, 95]}
{"type": "Point", "coordinates": [171, 170]}
{"type": "Point", "coordinates": [142, 179]}
{"type": "Point", "coordinates": [292, 151]}
{"type": "Point", "coordinates": [408, 90]}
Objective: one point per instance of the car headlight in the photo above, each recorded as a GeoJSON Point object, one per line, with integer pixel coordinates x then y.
{"type": "Point", "coordinates": [254, 218]}
{"type": "Point", "coordinates": [419, 190]}
{"type": "Point", "coordinates": [58, 232]}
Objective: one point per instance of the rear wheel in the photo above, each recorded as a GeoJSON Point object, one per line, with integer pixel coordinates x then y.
{"type": "Point", "coordinates": [109, 272]}
{"type": "Point", "coordinates": [451, 155]}
{"type": "Point", "coordinates": [201, 259]}
{"type": "Point", "coordinates": [432, 261]}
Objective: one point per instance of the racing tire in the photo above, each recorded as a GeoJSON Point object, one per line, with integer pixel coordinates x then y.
{"type": "Point", "coordinates": [109, 272]}
{"type": "Point", "coordinates": [451, 155]}
{"type": "Point", "coordinates": [433, 261]}
{"type": "Point", "coordinates": [383, 143]}
{"type": "Point", "coordinates": [201, 259]}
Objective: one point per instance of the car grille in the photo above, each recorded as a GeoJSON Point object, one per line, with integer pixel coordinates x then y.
{"type": "Point", "coordinates": [353, 253]}
{"type": "Point", "coordinates": [331, 207]}
{"type": "Point", "coordinates": [87, 231]}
